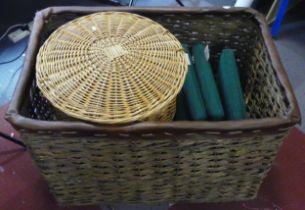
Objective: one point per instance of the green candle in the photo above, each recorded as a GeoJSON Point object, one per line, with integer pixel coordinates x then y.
{"type": "Point", "coordinates": [231, 87]}
{"type": "Point", "coordinates": [207, 83]}
{"type": "Point", "coordinates": [192, 93]}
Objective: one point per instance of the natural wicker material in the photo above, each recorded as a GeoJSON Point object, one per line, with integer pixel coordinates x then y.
{"type": "Point", "coordinates": [152, 169]}
{"type": "Point", "coordinates": [152, 162]}
{"type": "Point", "coordinates": [112, 67]}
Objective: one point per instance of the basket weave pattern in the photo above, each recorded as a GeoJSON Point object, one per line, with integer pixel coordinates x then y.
{"type": "Point", "coordinates": [160, 162]}
{"type": "Point", "coordinates": [262, 90]}
{"type": "Point", "coordinates": [153, 169]}
{"type": "Point", "coordinates": [112, 67]}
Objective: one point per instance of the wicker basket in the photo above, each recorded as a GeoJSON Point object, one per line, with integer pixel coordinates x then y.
{"type": "Point", "coordinates": [152, 162]}
{"type": "Point", "coordinates": [112, 67]}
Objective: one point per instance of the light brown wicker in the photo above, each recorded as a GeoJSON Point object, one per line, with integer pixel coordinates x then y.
{"type": "Point", "coordinates": [112, 67]}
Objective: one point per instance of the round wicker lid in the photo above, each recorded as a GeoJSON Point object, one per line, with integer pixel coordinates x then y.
{"type": "Point", "coordinates": [111, 67]}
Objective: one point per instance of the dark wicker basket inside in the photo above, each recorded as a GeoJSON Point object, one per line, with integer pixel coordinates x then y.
{"type": "Point", "coordinates": [153, 162]}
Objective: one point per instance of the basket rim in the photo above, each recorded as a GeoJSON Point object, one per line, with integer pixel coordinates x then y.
{"type": "Point", "coordinates": [14, 116]}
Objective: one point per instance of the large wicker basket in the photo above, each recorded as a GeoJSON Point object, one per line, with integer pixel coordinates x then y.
{"type": "Point", "coordinates": [152, 162]}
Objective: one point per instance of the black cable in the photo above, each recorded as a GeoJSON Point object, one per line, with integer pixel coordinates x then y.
{"type": "Point", "coordinates": [110, 2]}
{"type": "Point", "coordinates": [23, 26]}
{"type": "Point", "coordinates": [180, 3]}
{"type": "Point", "coordinates": [6, 62]}
{"type": "Point", "coordinates": [12, 139]}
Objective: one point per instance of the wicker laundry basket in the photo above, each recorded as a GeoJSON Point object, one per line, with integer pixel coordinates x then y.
{"type": "Point", "coordinates": [112, 67]}
{"type": "Point", "coordinates": [152, 162]}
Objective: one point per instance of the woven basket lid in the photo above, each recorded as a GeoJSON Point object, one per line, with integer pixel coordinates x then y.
{"type": "Point", "coordinates": [111, 67]}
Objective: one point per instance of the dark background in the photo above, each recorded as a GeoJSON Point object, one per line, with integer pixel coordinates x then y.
{"type": "Point", "coordinates": [22, 11]}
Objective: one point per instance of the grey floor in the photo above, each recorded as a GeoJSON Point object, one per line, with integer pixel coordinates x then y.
{"type": "Point", "coordinates": [9, 73]}
{"type": "Point", "coordinates": [290, 44]}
